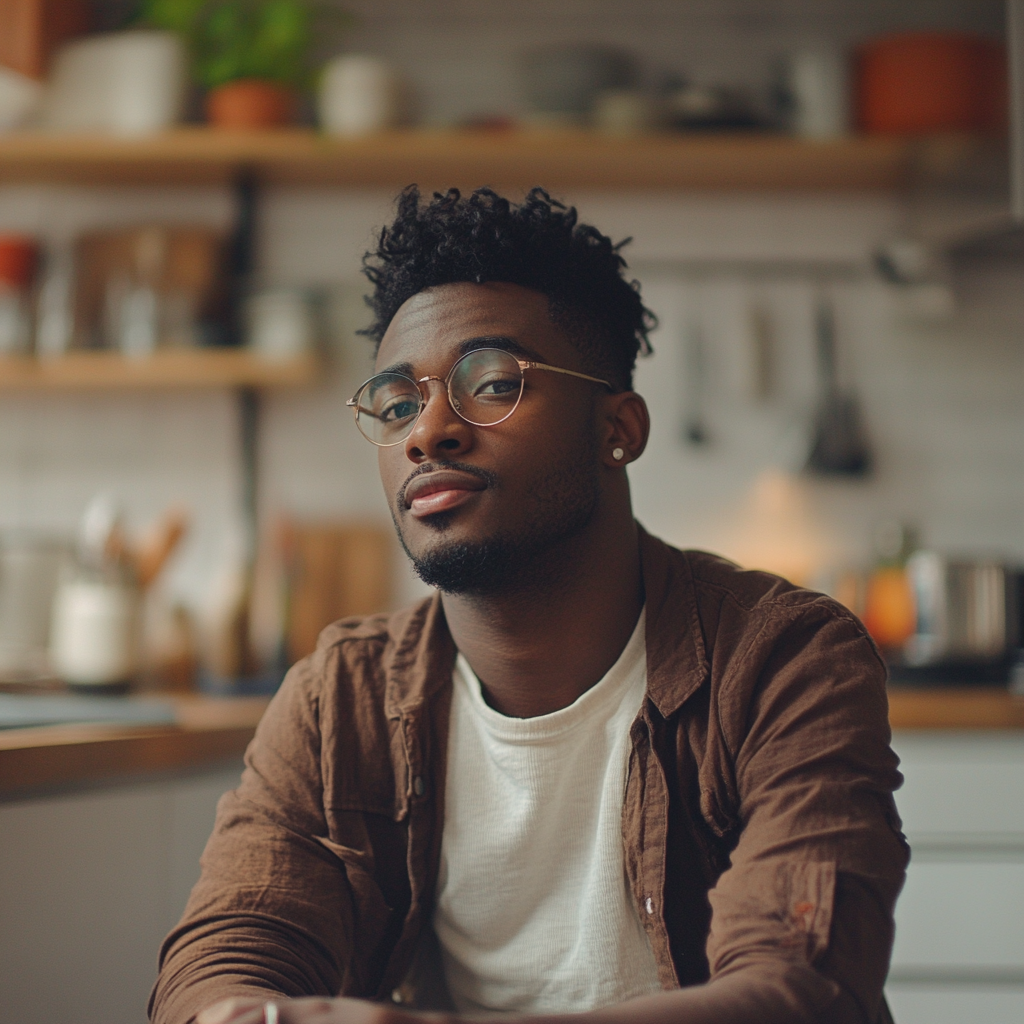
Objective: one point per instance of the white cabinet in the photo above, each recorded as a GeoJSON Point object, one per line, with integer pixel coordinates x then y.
{"type": "Point", "coordinates": [959, 954]}
{"type": "Point", "coordinates": [90, 883]}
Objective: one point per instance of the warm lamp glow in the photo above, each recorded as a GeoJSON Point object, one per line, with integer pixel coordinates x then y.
{"type": "Point", "coordinates": [775, 529]}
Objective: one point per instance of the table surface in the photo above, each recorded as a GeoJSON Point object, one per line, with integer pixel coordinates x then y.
{"type": "Point", "coordinates": [210, 730]}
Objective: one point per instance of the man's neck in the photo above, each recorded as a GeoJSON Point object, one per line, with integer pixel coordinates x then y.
{"type": "Point", "coordinates": [537, 648]}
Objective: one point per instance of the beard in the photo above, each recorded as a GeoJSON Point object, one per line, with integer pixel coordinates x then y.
{"type": "Point", "coordinates": [561, 506]}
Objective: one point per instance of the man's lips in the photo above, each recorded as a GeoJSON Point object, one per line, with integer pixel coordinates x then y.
{"type": "Point", "coordinates": [440, 490]}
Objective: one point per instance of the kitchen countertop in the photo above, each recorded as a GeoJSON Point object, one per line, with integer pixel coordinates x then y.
{"type": "Point", "coordinates": [969, 707]}
{"type": "Point", "coordinates": [212, 730]}
{"type": "Point", "coordinates": [207, 731]}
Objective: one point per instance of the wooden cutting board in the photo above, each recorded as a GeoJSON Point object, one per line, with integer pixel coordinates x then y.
{"type": "Point", "coordinates": [336, 570]}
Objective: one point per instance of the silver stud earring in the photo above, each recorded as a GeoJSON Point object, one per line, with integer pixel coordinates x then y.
{"type": "Point", "coordinates": [617, 453]}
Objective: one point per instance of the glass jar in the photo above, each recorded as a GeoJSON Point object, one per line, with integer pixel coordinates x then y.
{"type": "Point", "coordinates": [17, 269]}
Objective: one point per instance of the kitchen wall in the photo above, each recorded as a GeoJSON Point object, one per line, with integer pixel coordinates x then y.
{"type": "Point", "coordinates": [942, 401]}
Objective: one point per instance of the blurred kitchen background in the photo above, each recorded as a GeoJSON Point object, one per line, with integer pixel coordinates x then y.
{"type": "Point", "coordinates": [819, 200]}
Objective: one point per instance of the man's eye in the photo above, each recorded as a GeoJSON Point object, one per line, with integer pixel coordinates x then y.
{"type": "Point", "coordinates": [496, 387]}
{"type": "Point", "coordinates": [399, 409]}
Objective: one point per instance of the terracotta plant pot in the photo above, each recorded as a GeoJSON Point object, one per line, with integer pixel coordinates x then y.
{"type": "Point", "coordinates": [251, 103]}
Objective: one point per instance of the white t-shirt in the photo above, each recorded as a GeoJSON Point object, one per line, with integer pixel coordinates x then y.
{"type": "Point", "coordinates": [533, 911]}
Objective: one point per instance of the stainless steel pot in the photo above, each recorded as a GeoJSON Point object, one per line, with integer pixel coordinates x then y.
{"type": "Point", "coordinates": [968, 610]}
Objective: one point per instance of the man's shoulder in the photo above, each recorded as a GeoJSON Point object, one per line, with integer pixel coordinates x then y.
{"type": "Point", "coordinates": [397, 652]}
{"type": "Point", "coordinates": [713, 618]}
{"type": "Point", "coordinates": [713, 580]}
{"type": "Point", "coordinates": [381, 628]}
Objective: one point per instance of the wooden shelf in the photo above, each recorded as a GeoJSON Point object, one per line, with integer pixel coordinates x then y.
{"type": "Point", "coordinates": [171, 368]}
{"type": "Point", "coordinates": [513, 161]}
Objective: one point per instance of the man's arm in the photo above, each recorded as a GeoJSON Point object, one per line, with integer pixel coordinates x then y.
{"type": "Point", "coordinates": [820, 861]}
{"type": "Point", "coordinates": [271, 914]}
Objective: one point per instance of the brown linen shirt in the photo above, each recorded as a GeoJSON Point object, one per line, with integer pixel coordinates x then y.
{"type": "Point", "coordinates": [761, 841]}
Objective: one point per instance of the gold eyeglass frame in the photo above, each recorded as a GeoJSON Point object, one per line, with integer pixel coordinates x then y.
{"type": "Point", "coordinates": [524, 365]}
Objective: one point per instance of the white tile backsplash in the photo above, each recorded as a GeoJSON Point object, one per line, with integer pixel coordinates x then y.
{"type": "Point", "coordinates": [944, 404]}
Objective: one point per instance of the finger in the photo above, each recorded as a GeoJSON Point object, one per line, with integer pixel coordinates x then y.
{"type": "Point", "coordinates": [308, 1010]}
{"type": "Point", "coordinates": [227, 1010]}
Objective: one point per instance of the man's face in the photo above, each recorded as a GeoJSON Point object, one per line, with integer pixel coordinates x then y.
{"type": "Point", "coordinates": [477, 508]}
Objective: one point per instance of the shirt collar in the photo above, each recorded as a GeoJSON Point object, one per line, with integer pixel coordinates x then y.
{"type": "Point", "coordinates": [677, 664]}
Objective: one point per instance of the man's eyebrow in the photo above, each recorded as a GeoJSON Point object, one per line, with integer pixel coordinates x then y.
{"type": "Point", "coordinates": [405, 369]}
{"type": "Point", "coordinates": [505, 343]}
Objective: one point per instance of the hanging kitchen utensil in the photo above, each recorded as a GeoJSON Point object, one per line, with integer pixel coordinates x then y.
{"type": "Point", "coordinates": [839, 447]}
{"type": "Point", "coordinates": [694, 427]}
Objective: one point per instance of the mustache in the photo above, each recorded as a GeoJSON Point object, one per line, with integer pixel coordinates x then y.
{"type": "Point", "coordinates": [489, 478]}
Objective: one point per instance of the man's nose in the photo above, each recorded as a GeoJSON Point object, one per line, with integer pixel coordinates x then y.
{"type": "Point", "coordinates": [439, 432]}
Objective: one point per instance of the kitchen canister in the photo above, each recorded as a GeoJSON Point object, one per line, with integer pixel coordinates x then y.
{"type": "Point", "coordinates": [280, 323]}
{"type": "Point", "coordinates": [125, 83]}
{"type": "Point", "coordinates": [19, 97]}
{"type": "Point", "coordinates": [920, 83]}
{"type": "Point", "coordinates": [18, 257]}
{"type": "Point", "coordinates": [30, 566]}
{"type": "Point", "coordinates": [817, 81]}
{"type": "Point", "coordinates": [95, 636]}
{"type": "Point", "coordinates": [359, 94]}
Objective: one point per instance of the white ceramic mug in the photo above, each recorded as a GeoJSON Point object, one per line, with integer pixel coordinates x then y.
{"type": "Point", "coordinates": [359, 94]}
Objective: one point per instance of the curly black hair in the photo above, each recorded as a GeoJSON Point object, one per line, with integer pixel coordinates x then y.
{"type": "Point", "coordinates": [537, 244]}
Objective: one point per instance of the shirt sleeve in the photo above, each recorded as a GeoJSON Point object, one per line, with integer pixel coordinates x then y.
{"type": "Point", "coordinates": [272, 912]}
{"type": "Point", "coordinates": [802, 921]}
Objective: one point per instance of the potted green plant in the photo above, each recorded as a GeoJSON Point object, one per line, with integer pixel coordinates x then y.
{"type": "Point", "coordinates": [250, 55]}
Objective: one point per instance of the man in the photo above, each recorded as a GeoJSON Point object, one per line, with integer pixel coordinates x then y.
{"type": "Point", "coordinates": [593, 775]}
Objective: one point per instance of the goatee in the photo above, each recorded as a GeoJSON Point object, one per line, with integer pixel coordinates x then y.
{"type": "Point", "coordinates": [560, 507]}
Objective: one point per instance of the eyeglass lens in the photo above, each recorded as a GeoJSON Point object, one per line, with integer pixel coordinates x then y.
{"type": "Point", "coordinates": [484, 388]}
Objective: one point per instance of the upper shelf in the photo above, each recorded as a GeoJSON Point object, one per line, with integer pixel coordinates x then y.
{"type": "Point", "coordinates": [167, 368]}
{"type": "Point", "coordinates": [514, 160]}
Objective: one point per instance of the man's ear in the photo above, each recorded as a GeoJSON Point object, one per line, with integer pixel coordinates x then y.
{"type": "Point", "coordinates": [624, 426]}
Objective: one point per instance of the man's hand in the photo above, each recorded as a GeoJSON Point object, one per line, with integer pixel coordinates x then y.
{"type": "Point", "coordinates": [308, 1011]}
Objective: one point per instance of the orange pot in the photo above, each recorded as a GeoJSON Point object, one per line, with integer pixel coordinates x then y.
{"type": "Point", "coordinates": [250, 103]}
{"type": "Point", "coordinates": [920, 83]}
{"type": "Point", "coordinates": [890, 613]}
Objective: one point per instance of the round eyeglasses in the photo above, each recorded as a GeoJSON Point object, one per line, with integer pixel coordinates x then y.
{"type": "Point", "coordinates": [484, 388]}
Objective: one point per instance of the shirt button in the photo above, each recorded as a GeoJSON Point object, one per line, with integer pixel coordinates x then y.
{"type": "Point", "coordinates": [396, 996]}
{"type": "Point", "coordinates": [649, 905]}
{"type": "Point", "coordinates": [419, 787]}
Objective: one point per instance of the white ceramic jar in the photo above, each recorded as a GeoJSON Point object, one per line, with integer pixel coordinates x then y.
{"type": "Point", "coordinates": [359, 94]}
{"type": "Point", "coordinates": [280, 323]}
{"type": "Point", "coordinates": [94, 640]}
{"type": "Point", "coordinates": [818, 83]}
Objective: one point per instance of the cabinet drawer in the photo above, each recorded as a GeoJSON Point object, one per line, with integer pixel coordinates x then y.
{"type": "Point", "coordinates": [945, 1004]}
{"type": "Point", "coordinates": [960, 784]}
{"type": "Point", "coordinates": [961, 916]}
